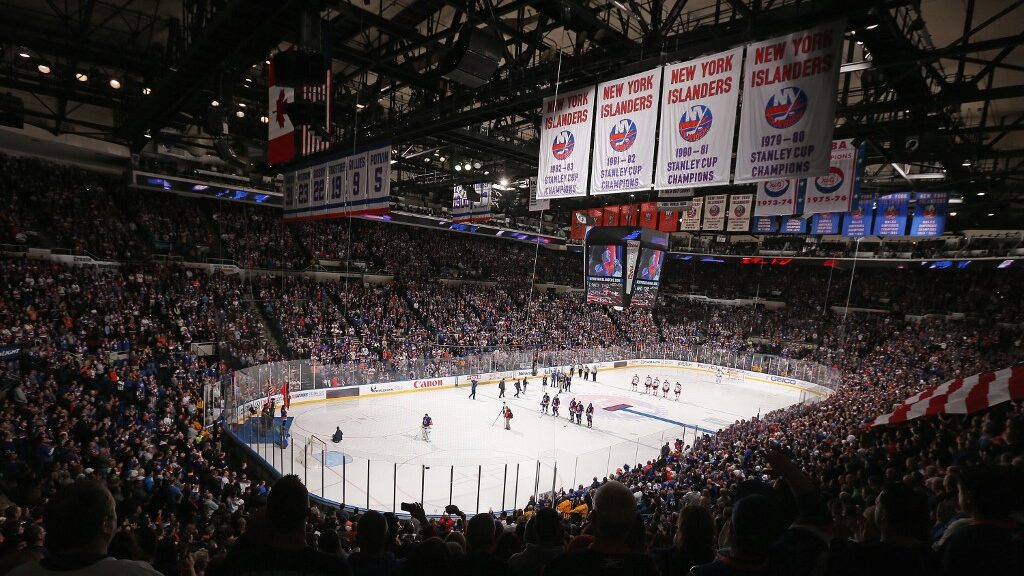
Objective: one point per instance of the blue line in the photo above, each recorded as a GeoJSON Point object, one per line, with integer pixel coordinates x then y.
{"type": "Point", "coordinates": [676, 422]}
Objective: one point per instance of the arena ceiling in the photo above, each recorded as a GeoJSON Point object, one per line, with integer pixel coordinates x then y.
{"type": "Point", "coordinates": [947, 75]}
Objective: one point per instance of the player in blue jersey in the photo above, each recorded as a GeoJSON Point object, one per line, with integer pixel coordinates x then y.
{"type": "Point", "coordinates": [426, 425]}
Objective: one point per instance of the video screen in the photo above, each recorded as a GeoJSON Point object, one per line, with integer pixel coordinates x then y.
{"type": "Point", "coordinates": [605, 261]}
{"type": "Point", "coordinates": [651, 262]}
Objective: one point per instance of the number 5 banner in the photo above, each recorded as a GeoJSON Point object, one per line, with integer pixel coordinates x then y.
{"type": "Point", "coordinates": [698, 119]}
{"type": "Point", "coordinates": [627, 118]}
{"type": "Point", "coordinates": [789, 105]}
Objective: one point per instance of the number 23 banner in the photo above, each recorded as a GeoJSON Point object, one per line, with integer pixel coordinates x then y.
{"type": "Point", "coordinates": [789, 105]}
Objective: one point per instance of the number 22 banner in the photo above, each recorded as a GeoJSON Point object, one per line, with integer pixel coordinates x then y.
{"type": "Point", "coordinates": [789, 105]}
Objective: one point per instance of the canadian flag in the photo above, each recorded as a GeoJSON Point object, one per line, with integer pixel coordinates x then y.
{"type": "Point", "coordinates": [280, 131]}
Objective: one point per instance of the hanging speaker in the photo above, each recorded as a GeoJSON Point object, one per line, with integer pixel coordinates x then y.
{"type": "Point", "coordinates": [474, 58]}
{"type": "Point", "coordinates": [294, 68]}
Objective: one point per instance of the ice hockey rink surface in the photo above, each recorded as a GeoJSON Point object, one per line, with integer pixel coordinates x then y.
{"type": "Point", "coordinates": [473, 462]}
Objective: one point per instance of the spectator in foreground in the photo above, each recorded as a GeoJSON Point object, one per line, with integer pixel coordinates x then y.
{"type": "Point", "coordinates": [80, 522]}
{"type": "Point", "coordinates": [284, 549]}
{"type": "Point", "coordinates": [694, 542]}
{"type": "Point", "coordinates": [372, 559]}
{"type": "Point", "coordinates": [989, 543]}
{"type": "Point", "coordinates": [612, 524]}
{"type": "Point", "coordinates": [543, 543]}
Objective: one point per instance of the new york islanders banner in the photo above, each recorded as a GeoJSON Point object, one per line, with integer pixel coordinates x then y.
{"type": "Point", "coordinates": [466, 210]}
{"type": "Point", "coordinates": [777, 198]}
{"type": "Point", "coordinates": [691, 216]}
{"type": "Point", "coordinates": [564, 163]}
{"type": "Point", "coordinates": [627, 119]}
{"type": "Point", "coordinates": [930, 214]}
{"type": "Point", "coordinates": [739, 212]}
{"type": "Point", "coordinates": [668, 221]}
{"type": "Point", "coordinates": [789, 105]}
{"type": "Point", "coordinates": [825, 223]}
{"type": "Point", "coordinates": [714, 212]}
{"type": "Point", "coordinates": [649, 215]}
{"type": "Point", "coordinates": [835, 191]}
{"type": "Point", "coordinates": [892, 214]}
{"type": "Point", "coordinates": [698, 121]}
{"type": "Point", "coordinates": [280, 131]}
{"type": "Point", "coordinates": [857, 222]}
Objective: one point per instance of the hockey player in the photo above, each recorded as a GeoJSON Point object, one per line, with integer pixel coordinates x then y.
{"type": "Point", "coordinates": [647, 385]}
{"type": "Point", "coordinates": [554, 405]}
{"type": "Point", "coordinates": [507, 414]}
{"type": "Point", "coordinates": [679, 390]}
{"type": "Point", "coordinates": [656, 385]}
{"type": "Point", "coordinates": [572, 409]}
{"type": "Point", "coordinates": [524, 384]}
{"type": "Point", "coordinates": [568, 383]}
{"type": "Point", "coordinates": [426, 425]}
{"type": "Point", "coordinates": [593, 374]}
{"type": "Point", "coordinates": [472, 388]}
{"type": "Point", "coordinates": [636, 381]}
{"type": "Point", "coordinates": [718, 376]}
{"type": "Point", "coordinates": [544, 382]}
{"type": "Point", "coordinates": [579, 413]}
{"type": "Point", "coordinates": [519, 388]}
{"type": "Point", "coordinates": [590, 415]}
{"type": "Point", "coordinates": [586, 373]}
{"type": "Point", "coordinates": [544, 403]}
{"type": "Point", "coordinates": [664, 389]}
{"type": "Point", "coordinates": [501, 388]}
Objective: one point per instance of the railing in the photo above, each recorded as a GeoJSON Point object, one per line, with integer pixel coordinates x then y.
{"type": "Point", "coordinates": [382, 480]}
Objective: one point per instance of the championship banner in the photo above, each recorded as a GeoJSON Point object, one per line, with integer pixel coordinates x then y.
{"type": "Point", "coordinates": [668, 221]}
{"type": "Point", "coordinates": [280, 130]}
{"type": "Point", "coordinates": [466, 210]}
{"type": "Point", "coordinates": [892, 214]}
{"type": "Point", "coordinates": [691, 216]}
{"type": "Point", "coordinates": [629, 215]}
{"type": "Point", "coordinates": [739, 212]}
{"type": "Point", "coordinates": [930, 214]}
{"type": "Point", "coordinates": [564, 162]}
{"type": "Point", "coordinates": [610, 216]}
{"type": "Point", "coordinates": [649, 215]}
{"type": "Point", "coordinates": [857, 222]}
{"type": "Point", "coordinates": [835, 191]}
{"type": "Point", "coordinates": [698, 121]}
{"type": "Point", "coordinates": [714, 212]}
{"type": "Point", "coordinates": [789, 105]}
{"type": "Point", "coordinates": [777, 198]}
{"type": "Point", "coordinates": [793, 225]}
{"type": "Point", "coordinates": [825, 223]}
{"type": "Point", "coordinates": [765, 225]}
{"type": "Point", "coordinates": [627, 118]}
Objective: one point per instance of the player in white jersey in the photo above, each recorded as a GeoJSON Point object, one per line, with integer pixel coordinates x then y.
{"type": "Point", "coordinates": [426, 425]}
{"type": "Point", "coordinates": [664, 389]}
{"type": "Point", "coordinates": [655, 386]}
{"type": "Point", "coordinates": [647, 385]}
{"type": "Point", "coordinates": [679, 390]}
{"type": "Point", "coordinates": [636, 380]}
{"type": "Point", "coordinates": [718, 376]}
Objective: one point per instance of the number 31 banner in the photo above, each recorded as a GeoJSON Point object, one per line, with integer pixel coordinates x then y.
{"type": "Point", "coordinates": [789, 105]}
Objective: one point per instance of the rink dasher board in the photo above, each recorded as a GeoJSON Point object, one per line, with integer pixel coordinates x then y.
{"type": "Point", "coordinates": [489, 379]}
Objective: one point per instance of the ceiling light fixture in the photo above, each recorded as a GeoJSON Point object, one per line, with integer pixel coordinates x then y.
{"type": "Point", "coordinates": [240, 114]}
{"type": "Point", "coordinates": [966, 163]}
{"type": "Point", "coordinates": [115, 83]}
{"type": "Point", "coordinates": [504, 181]}
{"type": "Point", "coordinates": [214, 103]}
{"type": "Point", "coordinates": [468, 166]}
{"type": "Point", "coordinates": [146, 91]}
{"type": "Point", "coordinates": [264, 120]}
{"type": "Point", "coordinates": [952, 213]}
{"type": "Point", "coordinates": [458, 168]}
{"type": "Point", "coordinates": [43, 68]}
{"type": "Point", "coordinates": [24, 54]}
{"type": "Point", "coordinates": [82, 77]}
{"type": "Point", "coordinates": [241, 104]}
{"type": "Point", "coordinates": [477, 165]}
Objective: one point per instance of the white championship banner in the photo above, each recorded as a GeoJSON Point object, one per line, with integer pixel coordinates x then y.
{"type": "Point", "coordinates": [789, 105]}
{"type": "Point", "coordinates": [714, 212]}
{"type": "Point", "coordinates": [834, 191]}
{"type": "Point", "coordinates": [698, 120]}
{"type": "Point", "coordinates": [739, 212]}
{"type": "Point", "coordinates": [564, 163]}
{"type": "Point", "coordinates": [776, 197]}
{"type": "Point", "coordinates": [627, 118]}
{"type": "Point", "coordinates": [691, 216]}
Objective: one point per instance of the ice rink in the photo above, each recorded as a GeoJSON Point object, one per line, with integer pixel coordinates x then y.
{"type": "Point", "coordinates": [472, 461]}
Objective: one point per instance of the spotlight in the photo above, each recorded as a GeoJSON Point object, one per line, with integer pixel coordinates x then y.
{"type": "Point", "coordinates": [486, 172]}
{"type": "Point", "coordinates": [146, 91]}
{"type": "Point", "coordinates": [426, 159]}
{"type": "Point", "coordinates": [43, 68]}
{"type": "Point", "coordinates": [477, 165]}
{"type": "Point", "coordinates": [240, 114]}
{"type": "Point", "coordinates": [241, 104]}
{"type": "Point", "coordinates": [952, 214]}
{"type": "Point", "coordinates": [468, 166]}
{"type": "Point", "coordinates": [981, 193]}
{"type": "Point", "coordinates": [871, 26]}
{"type": "Point", "coordinates": [966, 163]}
{"type": "Point", "coordinates": [24, 54]}
{"type": "Point", "coordinates": [82, 77]}
{"type": "Point", "coordinates": [264, 120]}
{"type": "Point", "coordinates": [991, 214]}
{"type": "Point", "coordinates": [440, 159]}
{"type": "Point", "coordinates": [115, 83]}
{"type": "Point", "coordinates": [504, 181]}
{"type": "Point", "coordinates": [248, 80]}
{"type": "Point", "coordinates": [458, 167]}
{"type": "Point", "coordinates": [147, 134]}
{"type": "Point", "coordinates": [214, 103]}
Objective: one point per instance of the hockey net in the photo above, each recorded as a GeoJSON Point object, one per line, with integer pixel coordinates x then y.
{"type": "Point", "coordinates": [312, 454]}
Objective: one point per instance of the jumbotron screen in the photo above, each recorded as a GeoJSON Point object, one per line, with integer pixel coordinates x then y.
{"type": "Point", "coordinates": [648, 278]}
{"type": "Point", "coordinates": [604, 275]}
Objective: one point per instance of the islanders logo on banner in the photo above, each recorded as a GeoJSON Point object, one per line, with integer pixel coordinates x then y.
{"type": "Point", "coordinates": [739, 210]}
{"type": "Point", "coordinates": [715, 210]}
{"type": "Point", "coordinates": [563, 144]}
{"type": "Point", "coordinates": [691, 212]}
{"type": "Point", "coordinates": [930, 211]}
{"type": "Point", "coordinates": [776, 188]}
{"type": "Point", "coordinates": [786, 107]}
{"type": "Point", "coordinates": [695, 123]}
{"type": "Point", "coordinates": [623, 135]}
{"type": "Point", "coordinates": [891, 212]}
{"type": "Point", "coordinates": [830, 182]}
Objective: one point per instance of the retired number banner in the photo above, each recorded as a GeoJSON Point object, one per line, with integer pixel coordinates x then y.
{"type": "Point", "coordinates": [739, 212]}
{"type": "Point", "coordinates": [564, 162]}
{"type": "Point", "coordinates": [789, 105]}
{"type": "Point", "coordinates": [698, 119]}
{"type": "Point", "coordinates": [714, 212]}
{"type": "Point", "coordinates": [627, 117]}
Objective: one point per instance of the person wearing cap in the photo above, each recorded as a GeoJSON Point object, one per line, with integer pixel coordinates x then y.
{"type": "Point", "coordinates": [618, 535]}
